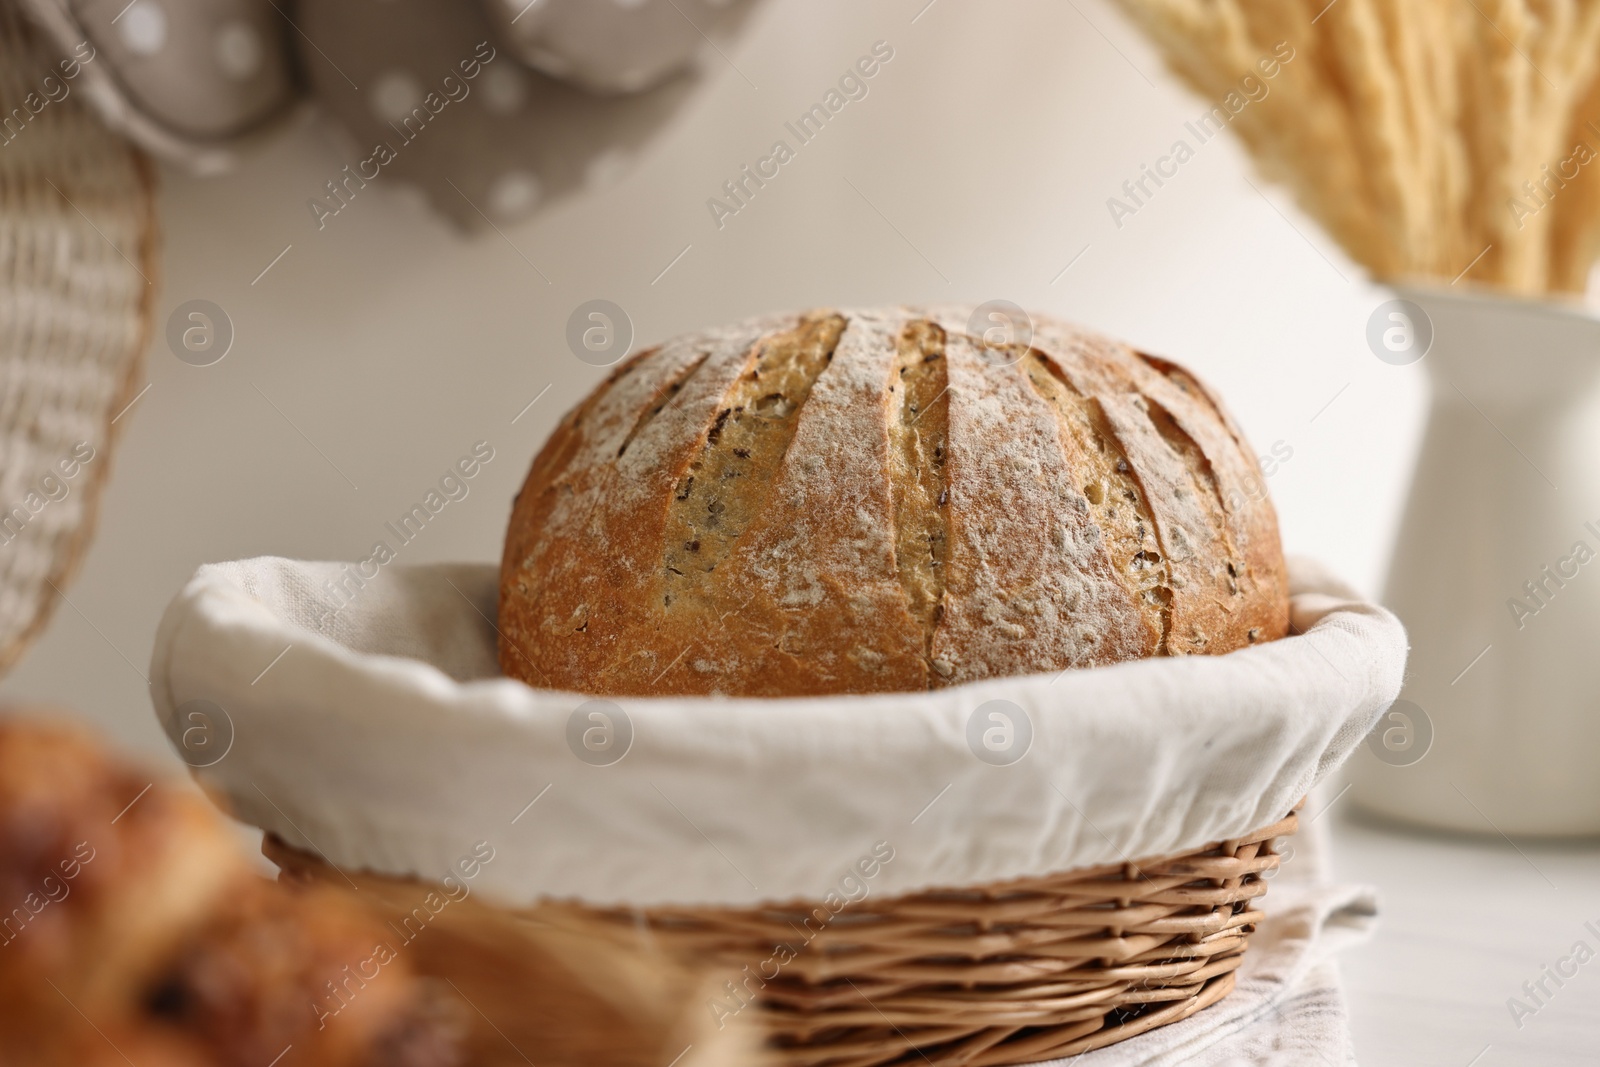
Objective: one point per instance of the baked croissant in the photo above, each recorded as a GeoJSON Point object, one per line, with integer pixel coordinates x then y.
{"type": "Point", "coordinates": [132, 929]}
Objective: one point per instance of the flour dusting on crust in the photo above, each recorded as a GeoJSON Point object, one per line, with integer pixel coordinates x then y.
{"type": "Point", "coordinates": [872, 500]}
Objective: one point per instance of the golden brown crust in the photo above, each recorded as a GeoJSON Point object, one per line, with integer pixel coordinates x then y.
{"type": "Point", "coordinates": [872, 501]}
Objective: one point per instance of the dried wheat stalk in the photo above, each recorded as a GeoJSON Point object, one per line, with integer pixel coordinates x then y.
{"type": "Point", "coordinates": [1433, 138]}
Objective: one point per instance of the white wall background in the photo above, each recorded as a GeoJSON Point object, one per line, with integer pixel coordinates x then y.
{"type": "Point", "coordinates": [990, 143]}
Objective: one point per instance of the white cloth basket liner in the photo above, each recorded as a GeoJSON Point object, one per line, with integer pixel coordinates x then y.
{"type": "Point", "coordinates": [383, 737]}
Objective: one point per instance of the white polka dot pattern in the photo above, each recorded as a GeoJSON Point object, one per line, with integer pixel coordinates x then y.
{"type": "Point", "coordinates": [239, 50]}
{"type": "Point", "coordinates": [505, 90]}
{"type": "Point", "coordinates": [144, 27]}
{"type": "Point", "coordinates": [513, 194]}
{"type": "Point", "coordinates": [566, 90]}
{"type": "Point", "coordinates": [394, 95]}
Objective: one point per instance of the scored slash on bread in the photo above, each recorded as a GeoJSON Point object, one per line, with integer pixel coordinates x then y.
{"type": "Point", "coordinates": [870, 501]}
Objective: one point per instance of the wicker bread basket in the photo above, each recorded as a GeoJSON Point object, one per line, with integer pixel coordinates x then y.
{"type": "Point", "coordinates": [996, 922]}
{"type": "Point", "coordinates": [1009, 973]}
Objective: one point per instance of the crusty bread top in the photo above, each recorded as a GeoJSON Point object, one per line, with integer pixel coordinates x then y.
{"type": "Point", "coordinates": [863, 501]}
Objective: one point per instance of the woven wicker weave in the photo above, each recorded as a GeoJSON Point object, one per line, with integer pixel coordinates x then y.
{"type": "Point", "coordinates": [1010, 973]}
{"type": "Point", "coordinates": [78, 257]}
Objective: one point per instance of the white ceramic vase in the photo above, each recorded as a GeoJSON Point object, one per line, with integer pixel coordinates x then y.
{"type": "Point", "coordinates": [1496, 575]}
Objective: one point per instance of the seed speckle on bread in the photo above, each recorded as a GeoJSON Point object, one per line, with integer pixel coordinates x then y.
{"type": "Point", "coordinates": [868, 501]}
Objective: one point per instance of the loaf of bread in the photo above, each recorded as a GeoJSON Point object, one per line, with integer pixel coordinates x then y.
{"type": "Point", "coordinates": [869, 501]}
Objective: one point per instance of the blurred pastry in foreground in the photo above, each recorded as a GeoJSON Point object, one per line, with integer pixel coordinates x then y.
{"type": "Point", "coordinates": [133, 929]}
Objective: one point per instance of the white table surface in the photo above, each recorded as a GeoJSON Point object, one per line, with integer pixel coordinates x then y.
{"type": "Point", "coordinates": [1464, 922]}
